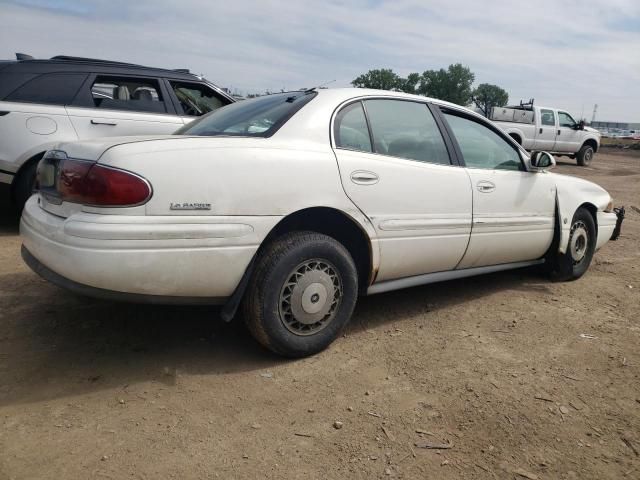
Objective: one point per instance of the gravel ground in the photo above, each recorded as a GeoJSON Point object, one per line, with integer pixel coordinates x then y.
{"type": "Point", "coordinates": [516, 376]}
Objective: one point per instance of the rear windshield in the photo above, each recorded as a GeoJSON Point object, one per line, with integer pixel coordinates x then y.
{"type": "Point", "coordinates": [258, 117]}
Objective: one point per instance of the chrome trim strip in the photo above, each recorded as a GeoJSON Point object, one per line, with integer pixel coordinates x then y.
{"type": "Point", "coordinates": [414, 281]}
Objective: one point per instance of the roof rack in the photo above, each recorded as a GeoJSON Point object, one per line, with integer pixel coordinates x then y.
{"type": "Point", "coordinates": [92, 60]}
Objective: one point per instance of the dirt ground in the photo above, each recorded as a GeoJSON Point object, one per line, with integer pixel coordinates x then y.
{"type": "Point", "coordinates": [518, 377]}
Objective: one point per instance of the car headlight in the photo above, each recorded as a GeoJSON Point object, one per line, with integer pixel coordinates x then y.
{"type": "Point", "coordinates": [609, 208]}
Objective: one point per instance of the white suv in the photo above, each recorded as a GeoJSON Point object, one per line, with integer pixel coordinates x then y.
{"type": "Point", "coordinates": [43, 102]}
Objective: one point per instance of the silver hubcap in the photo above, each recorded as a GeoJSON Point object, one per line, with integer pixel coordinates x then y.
{"type": "Point", "coordinates": [588, 155]}
{"type": "Point", "coordinates": [310, 297]}
{"type": "Point", "coordinates": [579, 241]}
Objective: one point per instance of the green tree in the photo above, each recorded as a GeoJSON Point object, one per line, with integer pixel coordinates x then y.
{"type": "Point", "coordinates": [382, 79]}
{"type": "Point", "coordinates": [487, 96]}
{"type": "Point", "coordinates": [409, 84]}
{"type": "Point", "coordinates": [452, 85]}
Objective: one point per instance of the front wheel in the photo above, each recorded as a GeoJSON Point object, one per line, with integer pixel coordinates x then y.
{"type": "Point", "coordinates": [572, 264]}
{"type": "Point", "coordinates": [301, 294]}
{"type": "Point", "coordinates": [585, 155]}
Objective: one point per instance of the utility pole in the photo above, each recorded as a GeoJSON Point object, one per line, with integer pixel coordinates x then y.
{"type": "Point", "coordinates": [595, 110]}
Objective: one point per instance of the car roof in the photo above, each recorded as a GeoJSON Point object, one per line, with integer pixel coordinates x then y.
{"type": "Point", "coordinates": [63, 63]}
{"type": "Point", "coordinates": [340, 95]}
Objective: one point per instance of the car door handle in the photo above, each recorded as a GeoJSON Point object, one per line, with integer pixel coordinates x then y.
{"type": "Point", "coordinates": [96, 122]}
{"type": "Point", "coordinates": [558, 132]}
{"type": "Point", "coordinates": [540, 130]}
{"type": "Point", "coordinates": [485, 186]}
{"type": "Point", "coordinates": [364, 177]}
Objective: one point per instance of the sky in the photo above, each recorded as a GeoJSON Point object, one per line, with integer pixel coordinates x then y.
{"type": "Point", "coordinates": [567, 54]}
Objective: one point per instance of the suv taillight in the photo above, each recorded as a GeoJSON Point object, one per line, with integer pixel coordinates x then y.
{"type": "Point", "coordinates": [63, 179]}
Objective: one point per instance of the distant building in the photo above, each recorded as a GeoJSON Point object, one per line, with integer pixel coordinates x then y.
{"type": "Point", "coordinates": [618, 125]}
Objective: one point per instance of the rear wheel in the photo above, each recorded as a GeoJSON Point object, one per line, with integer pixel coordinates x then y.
{"type": "Point", "coordinates": [301, 295]}
{"type": "Point", "coordinates": [572, 264]}
{"type": "Point", "coordinates": [23, 185]}
{"type": "Point", "coordinates": [585, 155]}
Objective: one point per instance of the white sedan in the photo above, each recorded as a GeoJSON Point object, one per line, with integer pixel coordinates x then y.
{"type": "Point", "coordinates": [291, 205]}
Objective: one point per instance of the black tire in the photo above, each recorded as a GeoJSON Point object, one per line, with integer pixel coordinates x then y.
{"type": "Point", "coordinates": [277, 298]}
{"type": "Point", "coordinates": [572, 264]}
{"type": "Point", "coordinates": [585, 155]}
{"type": "Point", "coordinates": [23, 185]}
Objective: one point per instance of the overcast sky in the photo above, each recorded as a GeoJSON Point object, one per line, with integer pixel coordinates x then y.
{"type": "Point", "coordinates": [567, 54]}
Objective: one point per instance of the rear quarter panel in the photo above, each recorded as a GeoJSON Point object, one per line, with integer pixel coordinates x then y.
{"type": "Point", "coordinates": [29, 129]}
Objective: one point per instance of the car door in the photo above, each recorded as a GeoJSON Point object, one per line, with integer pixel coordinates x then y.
{"type": "Point", "coordinates": [546, 134]}
{"type": "Point", "coordinates": [568, 139]}
{"type": "Point", "coordinates": [395, 166]}
{"type": "Point", "coordinates": [115, 105]}
{"type": "Point", "coordinates": [513, 209]}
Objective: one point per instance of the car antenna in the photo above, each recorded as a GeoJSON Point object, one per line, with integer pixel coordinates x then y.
{"type": "Point", "coordinates": [313, 89]}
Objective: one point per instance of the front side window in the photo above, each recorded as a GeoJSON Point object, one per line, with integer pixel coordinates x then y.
{"type": "Point", "coordinates": [124, 93]}
{"type": "Point", "coordinates": [196, 99]}
{"type": "Point", "coordinates": [407, 130]}
{"type": "Point", "coordinates": [482, 147]}
{"type": "Point", "coordinates": [566, 120]}
{"type": "Point", "coordinates": [351, 129]}
{"type": "Point", "coordinates": [547, 117]}
{"type": "Point", "coordinates": [258, 117]}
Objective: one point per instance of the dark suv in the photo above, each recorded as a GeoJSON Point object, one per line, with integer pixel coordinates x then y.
{"type": "Point", "coordinates": [43, 102]}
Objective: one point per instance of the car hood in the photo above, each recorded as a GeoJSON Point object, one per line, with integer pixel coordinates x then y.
{"type": "Point", "coordinates": [592, 130]}
{"type": "Point", "coordinates": [583, 189]}
{"type": "Point", "coordinates": [94, 148]}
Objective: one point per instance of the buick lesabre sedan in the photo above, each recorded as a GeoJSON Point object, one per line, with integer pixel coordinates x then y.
{"type": "Point", "coordinates": [289, 206]}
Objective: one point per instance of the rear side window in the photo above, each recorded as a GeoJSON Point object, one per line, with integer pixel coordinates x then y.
{"type": "Point", "coordinates": [547, 117]}
{"type": "Point", "coordinates": [50, 89]}
{"type": "Point", "coordinates": [125, 93]}
{"type": "Point", "coordinates": [351, 129]}
{"type": "Point", "coordinates": [195, 99]}
{"type": "Point", "coordinates": [407, 130]}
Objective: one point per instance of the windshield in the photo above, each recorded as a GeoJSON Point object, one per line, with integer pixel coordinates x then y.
{"type": "Point", "coordinates": [258, 117]}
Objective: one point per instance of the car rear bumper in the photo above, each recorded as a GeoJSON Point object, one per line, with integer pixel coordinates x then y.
{"type": "Point", "coordinates": [201, 260]}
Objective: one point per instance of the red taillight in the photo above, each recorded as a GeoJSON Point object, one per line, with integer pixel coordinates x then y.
{"type": "Point", "coordinates": [93, 184]}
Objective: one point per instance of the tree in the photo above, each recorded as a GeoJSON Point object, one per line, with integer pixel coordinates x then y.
{"type": "Point", "coordinates": [409, 84]}
{"type": "Point", "coordinates": [452, 85]}
{"type": "Point", "coordinates": [487, 96]}
{"type": "Point", "coordinates": [382, 79]}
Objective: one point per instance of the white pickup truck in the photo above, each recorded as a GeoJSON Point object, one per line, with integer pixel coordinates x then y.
{"type": "Point", "coordinates": [548, 129]}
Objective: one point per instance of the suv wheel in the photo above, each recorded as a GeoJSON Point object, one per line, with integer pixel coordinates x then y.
{"type": "Point", "coordinates": [301, 295]}
{"type": "Point", "coordinates": [23, 184]}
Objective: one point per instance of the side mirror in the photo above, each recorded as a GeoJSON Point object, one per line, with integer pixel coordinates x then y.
{"type": "Point", "coordinates": [542, 160]}
{"type": "Point", "coordinates": [579, 125]}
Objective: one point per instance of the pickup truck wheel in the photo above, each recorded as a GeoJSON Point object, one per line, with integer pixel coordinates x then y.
{"type": "Point", "coordinates": [301, 295]}
{"type": "Point", "coordinates": [585, 155]}
{"type": "Point", "coordinates": [582, 243]}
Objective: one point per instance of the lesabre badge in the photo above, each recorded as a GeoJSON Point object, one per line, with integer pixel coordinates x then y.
{"type": "Point", "coordinates": [189, 206]}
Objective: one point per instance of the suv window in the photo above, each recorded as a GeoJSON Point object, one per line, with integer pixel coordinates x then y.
{"type": "Point", "coordinates": [50, 89]}
{"type": "Point", "coordinates": [125, 93]}
{"type": "Point", "coordinates": [196, 99]}
{"type": "Point", "coordinates": [566, 120]}
{"type": "Point", "coordinates": [547, 117]}
{"type": "Point", "coordinates": [258, 117]}
{"type": "Point", "coordinates": [351, 130]}
{"type": "Point", "coordinates": [406, 129]}
{"type": "Point", "coordinates": [482, 147]}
